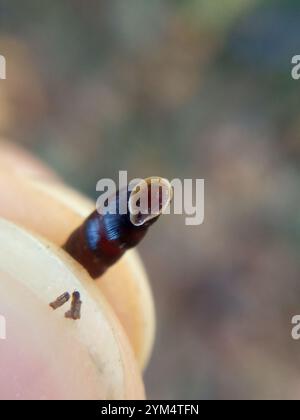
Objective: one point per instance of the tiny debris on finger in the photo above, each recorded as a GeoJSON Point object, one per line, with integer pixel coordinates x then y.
{"type": "Point", "coordinates": [60, 301]}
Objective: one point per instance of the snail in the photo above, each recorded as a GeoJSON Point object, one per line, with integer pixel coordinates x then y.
{"type": "Point", "coordinates": [102, 239]}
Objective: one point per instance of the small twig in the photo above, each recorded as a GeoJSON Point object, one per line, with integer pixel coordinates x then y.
{"type": "Point", "coordinates": [60, 301]}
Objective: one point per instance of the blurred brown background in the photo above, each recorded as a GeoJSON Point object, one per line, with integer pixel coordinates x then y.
{"type": "Point", "coordinates": [187, 89]}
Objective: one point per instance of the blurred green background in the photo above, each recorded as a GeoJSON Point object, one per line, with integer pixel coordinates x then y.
{"type": "Point", "coordinates": [185, 89]}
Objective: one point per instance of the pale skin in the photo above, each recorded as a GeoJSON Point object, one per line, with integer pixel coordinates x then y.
{"type": "Point", "coordinates": [94, 357]}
